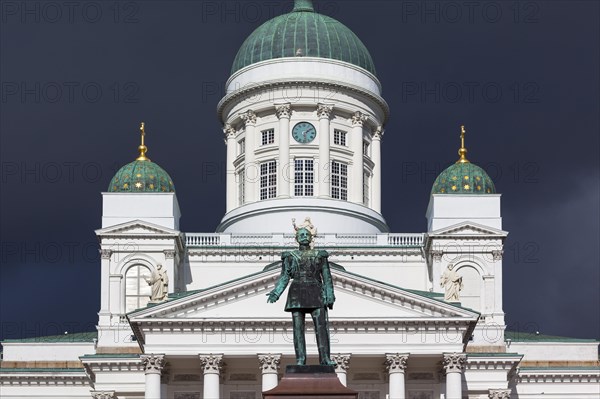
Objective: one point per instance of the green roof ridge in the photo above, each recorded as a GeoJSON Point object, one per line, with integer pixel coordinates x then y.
{"type": "Point", "coordinates": [71, 337]}
{"type": "Point", "coordinates": [517, 336]}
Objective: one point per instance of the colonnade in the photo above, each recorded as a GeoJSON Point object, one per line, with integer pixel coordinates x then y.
{"type": "Point", "coordinates": [212, 364]}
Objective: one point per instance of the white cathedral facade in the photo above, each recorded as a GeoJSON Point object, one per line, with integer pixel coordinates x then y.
{"type": "Point", "coordinates": [184, 315]}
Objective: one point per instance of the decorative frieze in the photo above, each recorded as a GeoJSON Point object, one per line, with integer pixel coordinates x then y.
{"type": "Point", "coordinates": [269, 363]}
{"type": "Point", "coordinates": [454, 362]}
{"type": "Point", "coordinates": [396, 362]}
{"type": "Point", "coordinates": [499, 394]}
{"type": "Point", "coordinates": [249, 117]}
{"type": "Point", "coordinates": [342, 362]}
{"type": "Point", "coordinates": [283, 111]}
{"type": "Point", "coordinates": [358, 119]}
{"type": "Point", "coordinates": [211, 364]}
{"type": "Point", "coordinates": [153, 363]}
{"type": "Point", "coordinates": [324, 111]}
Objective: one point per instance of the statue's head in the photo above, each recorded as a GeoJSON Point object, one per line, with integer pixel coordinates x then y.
{"type": "Point", "coordinates": [450, 266]}
{"type": "Point", "coordinates": [303, 236]}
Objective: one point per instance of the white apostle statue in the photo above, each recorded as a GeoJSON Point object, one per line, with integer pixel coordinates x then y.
{"type": "Point", "coordinates": [453, 284]}
{"type": "Point", "coordinates": [159, 282]}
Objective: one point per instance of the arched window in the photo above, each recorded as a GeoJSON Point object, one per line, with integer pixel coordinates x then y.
{"type": "Point", "coordinates": [470, 296]}
{"type": "Point", "coordinates": [137, 290]}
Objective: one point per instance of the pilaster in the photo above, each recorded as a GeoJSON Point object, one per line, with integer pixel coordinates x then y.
{"type": "Point", "coordinates": [324, 112]}
{"type": "Point", "coordinates": [285, 170]}
{"type": "Point", "coordinates": [251, 173]}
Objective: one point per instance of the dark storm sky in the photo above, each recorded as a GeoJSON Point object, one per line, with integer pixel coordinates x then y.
{"type": "Point", "coordinates": [78, 77]}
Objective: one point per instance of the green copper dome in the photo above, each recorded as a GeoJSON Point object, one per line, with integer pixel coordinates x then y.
{"type": "Point", "coordinates": [141, 177]}
{"type": "Point", "coordinates": [463, 178]}
{"type": "Point", "coordinates": [303, 32]}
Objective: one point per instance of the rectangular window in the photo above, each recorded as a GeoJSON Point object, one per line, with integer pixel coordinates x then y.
{"type": "Point", "coordinates": [339, 180]}
{"type": "Point", "coordinates": [268, 137]}
{"type": "Point", "coordinates": [366, 189]}
{"type": "Point", "coordinates": [242, 146]}
{"type": "Point", "coordinates": [339, 137]}
{"type": "Point", "coordinates": [366, 148]}
{"type": "Point", "coordinates": [241, 186]}
{"type": "Point", "coordinates": [304, 178]}
{"type": "Point", "coordinates": [268, 180]}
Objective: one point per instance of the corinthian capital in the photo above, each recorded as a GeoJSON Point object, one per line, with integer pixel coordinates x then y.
{"type": "Point", "coordinates": [499, 394]}
{"type": "Point", "coordinates": [342, 362]}
{"type": "Point", "coordinates": [497, 254]}
{"type": "Point", "coordinates": [211, 364]}
{"type": "Point", "coordinates": [105, 253]}
{"type": "Point", "coordinates": [269, 362]}
{"type": "Point", "coordinates": [324, 111]}
{"type": "Point", "coordinates": [249, 117]}
{"type": "Point", "coordinates": [396, 362]}
{"type": "Point", "coordinates": [378, 132]}
{"type": "Point", "coordinates": [153, 363]}
{"type": "Point", "coordinates": [228, 131]}
{"type": "Point", "coordinates": [436, 254]}
{"type": "Point", "coordinates": [283, 110]}
{"type": "Point", "coordinates": [103, 394]}
{"type": "Point", "coordinates": [454, 362]}
{"type": "Point", "coordinates": [358, 119]}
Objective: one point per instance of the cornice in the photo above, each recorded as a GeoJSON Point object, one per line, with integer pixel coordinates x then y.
{"type": "Point", "coordinates": [269, 84]}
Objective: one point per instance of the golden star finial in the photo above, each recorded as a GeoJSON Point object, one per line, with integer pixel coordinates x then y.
{"type": "Point", "coordinates": [142, 148]}
{"type": "Point", "coordinates": [463, 150]}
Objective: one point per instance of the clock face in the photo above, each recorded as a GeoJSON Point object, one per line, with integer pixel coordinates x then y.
{"type": "Point", "coordinates": [304, 132]}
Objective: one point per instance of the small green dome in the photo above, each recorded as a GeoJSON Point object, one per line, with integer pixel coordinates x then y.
{"type": "Point", "coordinates": [463, 178]}
{"type": "Point", "coordinates": [303, 32]}
{"type": "Point", "coordinates": [141, 176]}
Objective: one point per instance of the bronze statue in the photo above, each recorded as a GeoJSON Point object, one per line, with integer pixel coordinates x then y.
{"type": "Point", "coordinates": [311, 292]}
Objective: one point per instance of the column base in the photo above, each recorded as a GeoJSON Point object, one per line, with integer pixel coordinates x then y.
{"type": "Point", "coordinates": [310, 382]}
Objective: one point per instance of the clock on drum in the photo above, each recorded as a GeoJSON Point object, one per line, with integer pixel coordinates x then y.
{"type": "Point", "coordinates": [304, 132]}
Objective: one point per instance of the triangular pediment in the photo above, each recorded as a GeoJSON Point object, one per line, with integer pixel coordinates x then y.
{"type": "Point", "coordinates": [358, 299]}
{"type": "Point", "coordinates": [136, 228]}
{"type": "Point", "coordinates": [467, 229]}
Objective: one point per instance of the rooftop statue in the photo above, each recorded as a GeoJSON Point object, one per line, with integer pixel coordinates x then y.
{"type": "Point", "coordinates": [311, 291]}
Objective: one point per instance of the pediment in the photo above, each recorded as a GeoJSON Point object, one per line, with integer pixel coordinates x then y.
{"type": "Point", "coordinates": [468, 229]}
{"type": "Point", "coordinates": [358, 299]}
{"type": "Point", "coordinates": [136, 228]}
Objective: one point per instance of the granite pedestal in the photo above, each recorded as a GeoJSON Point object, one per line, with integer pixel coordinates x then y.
{"type": "Point", "coordinates": [310, 382]}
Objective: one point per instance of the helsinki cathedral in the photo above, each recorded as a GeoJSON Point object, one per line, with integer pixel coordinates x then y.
{"type": "Point", "coordinates": [184, 315]}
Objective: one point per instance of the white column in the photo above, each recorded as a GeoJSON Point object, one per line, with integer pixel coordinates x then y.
{"type": "Point", "coordinates": [454, 364]}
{"type": "Point", "coordinates": [104, 314]}
{"type": "Point", "coordinates": [169, 266]}
{"type": "Point", "coordinates": [342, 363]}
{"type": "Point", "coordinates": [396, 366]}
{"type": "Point", "coordinates": [211, 365]}
{"type": "Point", "coordinates": [499, 393]}
{"type": "Point", "coordinates": [376, 158]}
{"type": "Point", "coordinates": [153, 365]}
{"type": "Point", "coordinates": [103, 394]}
{"type": "Point", "coordinates": [251, 174]}
{"type": "Point", "coordinates": [285, 174]}
{"type": "Point", "coordinates": [230, 168]}
{"type": "Point", "coordinates": [323, 174]}
{"type": "Point", "coordinates": [269, 365]}
{"type": "Point", "coordinates": [356, 143]}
